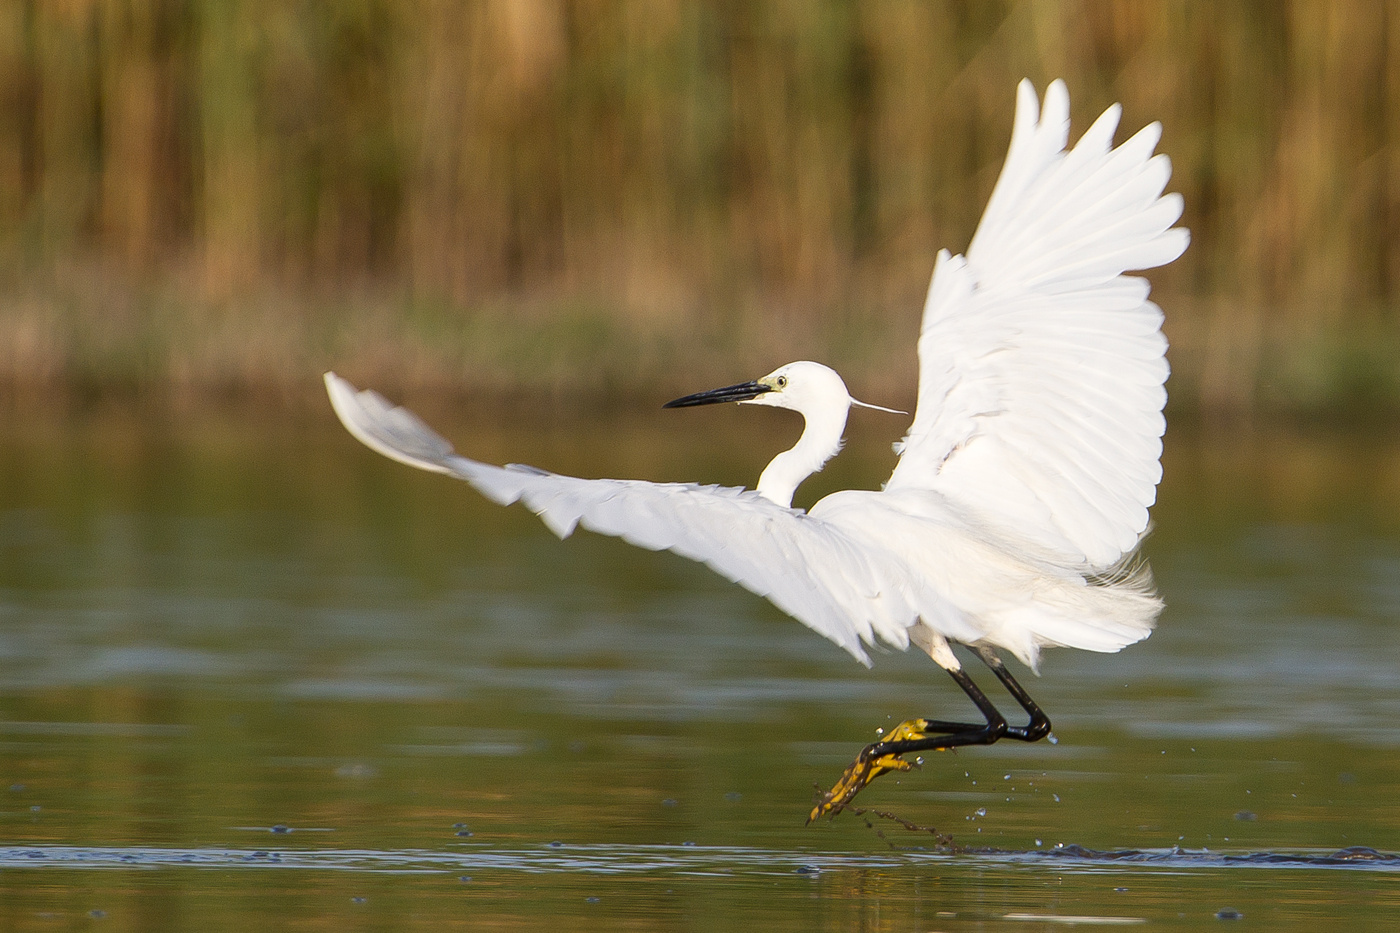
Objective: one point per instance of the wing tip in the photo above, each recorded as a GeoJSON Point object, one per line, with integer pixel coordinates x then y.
{"type": "Point", "coordinates": [387, 429]}
{"type": "Point", "coordinates": [1056, 102]}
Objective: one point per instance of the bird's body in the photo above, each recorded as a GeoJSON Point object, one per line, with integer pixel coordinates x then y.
{"type": "Point", "coordinates": [1024, 481]}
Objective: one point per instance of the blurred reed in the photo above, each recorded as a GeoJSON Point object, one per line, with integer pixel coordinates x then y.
{"type": "Point", "coordinates": [229, 195]}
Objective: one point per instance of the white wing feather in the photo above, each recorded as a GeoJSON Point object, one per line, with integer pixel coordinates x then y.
{"type": "Point", "coordinates": [1042, 366]}
{"type": "Point", "coordinates": [812, 570]}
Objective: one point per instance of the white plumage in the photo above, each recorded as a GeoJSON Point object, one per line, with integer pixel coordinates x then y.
{"type": "Point", "coordinates": [1024, 481]}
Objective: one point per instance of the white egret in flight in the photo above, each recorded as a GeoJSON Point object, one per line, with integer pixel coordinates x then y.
{"type": "Point", "coordinates": [1011, 520]}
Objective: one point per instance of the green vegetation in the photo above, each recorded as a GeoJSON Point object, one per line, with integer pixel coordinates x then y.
{"type": "Point", "coordinates": [221, 196]}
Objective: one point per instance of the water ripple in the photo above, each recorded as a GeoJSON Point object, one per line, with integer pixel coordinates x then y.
{"type": "Point", "coordinates": [668, 859]}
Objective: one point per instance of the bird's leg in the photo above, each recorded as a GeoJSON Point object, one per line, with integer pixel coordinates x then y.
{"type": "Point", "coordinates": [912, 735]}
{"type": "Point", "coordinates": [936, 735]}
{"type": "Point", "coordinates": [1039, 725]}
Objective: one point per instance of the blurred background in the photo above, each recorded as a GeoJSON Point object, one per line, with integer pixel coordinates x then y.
{"type": "Point", "coordinates": [204, 200]}
{"type": "Point", "coordinates": [535, 221]}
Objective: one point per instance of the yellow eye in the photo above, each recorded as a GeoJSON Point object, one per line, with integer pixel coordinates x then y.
{"type": "Point", "coordinates": [782, 382]}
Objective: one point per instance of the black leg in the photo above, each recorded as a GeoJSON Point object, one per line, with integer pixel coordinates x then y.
{"type": "Point", "coordinates": [1039, 725]}
{"type": "Point", "coordinates": [938, 734]}
{"type": "Point", "coordinates": [941, 734]}
{"type": "Point", "coordinates": [919, 735]}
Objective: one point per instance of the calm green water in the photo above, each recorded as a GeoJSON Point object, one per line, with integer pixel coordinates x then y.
{"type": "Point", "coordinates": [251, 673]}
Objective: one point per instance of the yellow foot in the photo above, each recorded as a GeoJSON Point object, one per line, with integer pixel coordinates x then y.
{"type": "Point", "coordinates": [869, 764]}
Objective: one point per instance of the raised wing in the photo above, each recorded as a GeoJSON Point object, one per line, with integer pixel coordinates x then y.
{"type": "Point", "coordinates": [808, 568]}
{"type": "Point", "coordinates": [1041, 366]}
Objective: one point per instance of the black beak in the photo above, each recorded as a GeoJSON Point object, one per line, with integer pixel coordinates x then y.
{"type": "Point", "coordinates": [739, 393]}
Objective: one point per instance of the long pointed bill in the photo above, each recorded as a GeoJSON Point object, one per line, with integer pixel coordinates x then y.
{"type": "Point", "coordinates": [738, 393]}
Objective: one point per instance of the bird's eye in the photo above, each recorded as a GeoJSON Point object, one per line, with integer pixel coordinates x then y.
{"type": "Point", "coordinates": [782, 382]}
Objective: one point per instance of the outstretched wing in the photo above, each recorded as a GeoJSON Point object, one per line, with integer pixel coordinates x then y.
{"type": "Point", "coordinates": [1041, 366]}
{"type": "Point", "coordinates": [808, 568]}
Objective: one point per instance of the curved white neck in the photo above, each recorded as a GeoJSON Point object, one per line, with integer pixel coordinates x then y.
{"type": "Point", "coordinates": [820, 441]}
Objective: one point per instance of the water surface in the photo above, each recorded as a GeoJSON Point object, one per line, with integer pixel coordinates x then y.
{"type": "Point", "coordinates": [251, 672]}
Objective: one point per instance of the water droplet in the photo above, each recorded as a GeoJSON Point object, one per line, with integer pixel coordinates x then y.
{"type": "Point", "coordinates": [556, 844]}
{"type": "Point", "coordinates": [879, 730]}
{"type": "Point", "coordinates": [981, 811]}
{"type": "Point", "coordinates": [1057, 797]}
{"type": "Point", "coordinates": [1037, 842]}
{"type": "Point", "coordinates": [919, 760]}
{"type": "Point", "coordinates": [97, 914]}
{"type": "Point", "coordinates": [280, 828]}
{"type": "Point", "coordinates": [357, 900]}
{"type": "Point", "coordinates": [1228, 913]}
{"type": "Point", "coordinates": [688, 842]}
{"type": "Point", "coordinates": [465, 878]}
{"type": "Point", "coordinates": [591, 900]}
{"type": "Point", "coordinates": [1006, 777]}
{"type": "Point", "coordinates": [1052, 739]}
{"type": "Point", "coordinates": [464, 832]}
{"type": "Point", "coordinates": [733, 796]}
{"type": "Point", "coordinates": [669, 802]}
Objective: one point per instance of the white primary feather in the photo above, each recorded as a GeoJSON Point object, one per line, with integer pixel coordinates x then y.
{"type": "Point", "coordinates": [1026, 475]}
{"type": "Point", "coordinates": [1041, 365]}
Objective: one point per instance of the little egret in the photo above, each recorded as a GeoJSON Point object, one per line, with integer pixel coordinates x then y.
{"type": "Point", "coordinates": [1014, 514]}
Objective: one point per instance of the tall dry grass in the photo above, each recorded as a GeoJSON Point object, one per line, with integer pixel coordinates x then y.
{"type": "Point", "coordinates": [233, 193]}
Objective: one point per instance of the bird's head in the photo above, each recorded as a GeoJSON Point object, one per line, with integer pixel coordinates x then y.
{"type": "Point", "coordinates": [803, 386]}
